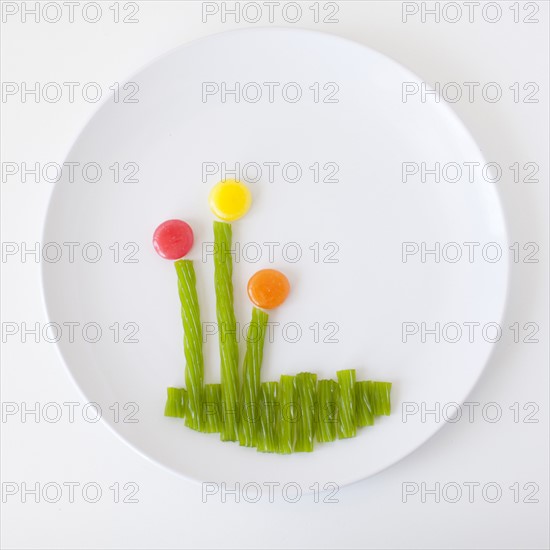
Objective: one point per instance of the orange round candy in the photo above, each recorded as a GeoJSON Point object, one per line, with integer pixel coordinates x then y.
{"type": "Point", "coordinates": [268, 288]}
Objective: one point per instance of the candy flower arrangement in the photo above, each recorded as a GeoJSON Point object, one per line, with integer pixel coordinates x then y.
{"type": "Point", "coordinates": [281, 417]}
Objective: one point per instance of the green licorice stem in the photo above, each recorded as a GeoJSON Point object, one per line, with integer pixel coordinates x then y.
{"type": "Point", "coordinates": [286, 427]}
{"type": "Point", "coordinates": [266, 433]}
{"type": "Point", "coordinates": [251, 378]}
{"type": "Point", "coordinates": [229, 353]}
{"type": "Point", "coordinates": [306, 396]}
{"type": "Point", "coordinates": [192, 342]}
{"type": "Point", "coordinates": [364, 414]}
{"type": "Point", "coordinates": [175, 402]}
{"type": "Point", "coordinates": [212, 408]}
{"type": "Point", "coordinates": [346, 404]}
{"type": "Point", "coordinates": [327, 396]}
{"type": "Point", "coordinates": [379, 395]}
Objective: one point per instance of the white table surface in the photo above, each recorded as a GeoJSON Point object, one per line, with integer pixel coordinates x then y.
{"type": "Point", "coordinates": [170, 512]}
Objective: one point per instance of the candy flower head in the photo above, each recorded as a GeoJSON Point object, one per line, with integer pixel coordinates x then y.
{"type": "Point", "coordinates": [173, 239]}
{"type": "Point", "coordinates": [268, 288]}
{"type": "Point", "coordinates": [230, 200]}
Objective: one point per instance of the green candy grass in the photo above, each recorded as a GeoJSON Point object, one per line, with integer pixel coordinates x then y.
{"type": "Point", "coordinates": [212, 408]}
{"type": "Point", "coordinates": [306, 395]}
{"type": "Point", "coordinates": [379, 395]}
{"type": "Point", "coordinates": [346, 403]}
{"type": "Point", "coordinates": [266, 434]}
{"type": "Point", "coordinates": [364, 414]}
{"type": "Point", "coordinates": [288, 417]}
{"type": "Point", "coordinates": [327, 421]}
{"type": "Point", "coordinates": [175, 402]}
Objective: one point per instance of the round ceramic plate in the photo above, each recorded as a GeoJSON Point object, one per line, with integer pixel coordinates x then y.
{"type": "Point", "coordinates": [319, 128]}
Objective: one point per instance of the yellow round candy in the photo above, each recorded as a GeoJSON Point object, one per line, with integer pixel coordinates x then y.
{"type": "Point", "coordinates": [230, 200]}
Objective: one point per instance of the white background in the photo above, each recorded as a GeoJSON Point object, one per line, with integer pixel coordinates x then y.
{"type": "Point", "coordinates": [369, 514]}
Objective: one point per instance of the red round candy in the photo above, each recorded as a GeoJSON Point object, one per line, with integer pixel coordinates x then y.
{"type": "Point", "coordinates": [173, 239]}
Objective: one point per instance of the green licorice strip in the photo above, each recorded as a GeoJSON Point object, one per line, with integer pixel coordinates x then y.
{"type": "Point", "coordinates": [346, 403]}
{"type": "Point", "coordinates": [251, 378]}
{"type": "Point", "coordinates": [192, 342]}
{"type": "Point", "coordinates": [175, 402]}
{"type": "Point", "coordinates": [364, 414]}
{"type": "Point", "coordinates": [229, 353]}
{"type": "Point", "coordinates": [266, 434]}
{"type": "Point", "coordinates": [327, 399]}
{"type": "Point", "coordinates": [306, 396]}
{"type": "Point", "coordinates": [379, 395]}
{"type": "Point", "coordinates": [286, 427]}
{"type": "Point", "coordinates": [212, 408]}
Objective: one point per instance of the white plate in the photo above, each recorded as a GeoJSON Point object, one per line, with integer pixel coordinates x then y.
{"type": "Point", "coordinates": [369, 213]}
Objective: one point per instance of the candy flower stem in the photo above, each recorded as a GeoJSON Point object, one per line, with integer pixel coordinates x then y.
{"type": "Point", "coordinates": [192, 342]}
{"type": "Point", "coordinates": [227, 330]}
{"type": "Point", "coordinates": [251, 378]}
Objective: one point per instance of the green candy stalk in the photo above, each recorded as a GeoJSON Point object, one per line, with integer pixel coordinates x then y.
{"type": "Point", "coordinates": [251, 378]}
{"type": "Point", "coordinates": [266, 433]}
{"type": "Point", "coordinates": [327, 397]}
{"type": "Point", "coordinates": [175, 402]}
{"type": "Point", "coordinates": [379, 395]}
{"type": "Point", "coordinates": [306, 397]}
{"type": "Point", "coordinates": [192, 342]}
{"type": "Point", "coordinates": [346, 404]}
{"type": "Point", "coordinates": [229, 352]}
{"type": "Point", "coordinates": [212, 408]}
{"type": "Point", "coordinates": [364, 413]}
{"type": "Point", "coordinates": [286, 427]}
